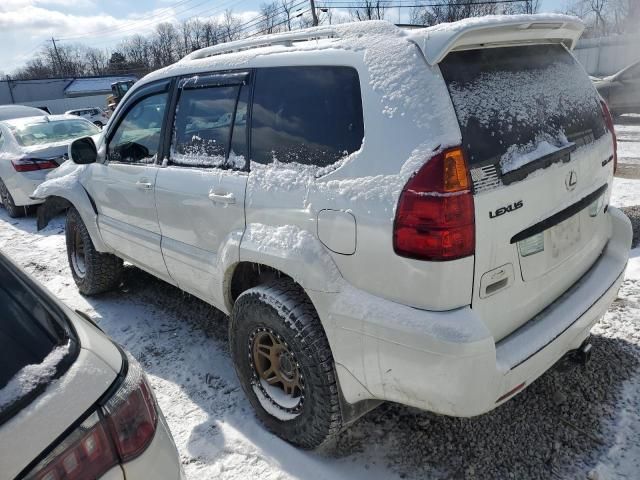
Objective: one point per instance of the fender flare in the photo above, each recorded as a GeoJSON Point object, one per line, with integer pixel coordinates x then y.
{"type": "Point", "coordinates": [290, 250]}
{"type": "Point", "coordinates": [59, 196]}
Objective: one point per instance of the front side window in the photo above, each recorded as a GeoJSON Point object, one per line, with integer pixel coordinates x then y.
{"type": "Point", "coordinates": [203, 125]}
{"type": "Point", "coordinates": [137, 138]}
{"type": "Point", "coordinates": [306, 115]}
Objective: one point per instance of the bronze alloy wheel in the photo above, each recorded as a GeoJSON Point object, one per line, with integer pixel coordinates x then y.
{"type": "Point", "coordinates": [276, 370]}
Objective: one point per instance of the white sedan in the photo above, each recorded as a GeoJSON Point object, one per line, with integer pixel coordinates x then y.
{"type": "Point", "coordinates": [73, 405]}
{"type": "Point", "coordinates": [29, 148]}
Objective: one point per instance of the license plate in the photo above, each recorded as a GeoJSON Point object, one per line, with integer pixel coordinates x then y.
{"type": "Point", "coordinates": [564, 237]}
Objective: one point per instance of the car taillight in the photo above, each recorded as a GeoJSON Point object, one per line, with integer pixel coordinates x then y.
{"type": "Point", "coordinates": [132, 416]}
{"type": "Point", "coordinates": [120, 431]}
{"type": "Point", "coordinates": [435, 218]}
{"type": "Point", "coordinates": [608, 119]}
{"type": "Point", "coordinates": [32, 164]}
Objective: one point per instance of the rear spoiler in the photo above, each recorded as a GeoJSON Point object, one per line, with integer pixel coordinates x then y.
{"type": "Point", "coordinates": [496, 31]}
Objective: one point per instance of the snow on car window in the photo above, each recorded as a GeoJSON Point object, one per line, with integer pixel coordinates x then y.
{"type": "Point", "coordinates": [512, 101]}
{"type": "Point", "coordinates": [29, 134]}
{"type": "Point", "coordinates": [32, 376]}
{"type": "Point", "coordinates": [202, 127]}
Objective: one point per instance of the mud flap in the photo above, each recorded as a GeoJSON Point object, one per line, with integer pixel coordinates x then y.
{"type": "Point", "coordinates": [51, 207]}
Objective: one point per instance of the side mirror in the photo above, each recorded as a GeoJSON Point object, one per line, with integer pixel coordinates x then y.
{"type": "Point", "coordinates": [83, 151]}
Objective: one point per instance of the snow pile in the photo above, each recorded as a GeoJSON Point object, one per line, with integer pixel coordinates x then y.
{"type": "Point", "coordinates": [624, 192]}
{"type": "Point", "coordinates": [520, 155]}
{"type": "Point", "coordinates": [31, 376]}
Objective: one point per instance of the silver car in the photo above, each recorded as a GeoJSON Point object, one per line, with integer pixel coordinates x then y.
{"type": "Point", "coordinates": [94, 114]}
{"type": "Point", "coordinates": [621, 91]}
{"type": "Point", "coordinates": [29, 149]}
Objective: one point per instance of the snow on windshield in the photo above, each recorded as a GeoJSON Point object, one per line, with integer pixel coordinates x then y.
{"type": "Point", "coordinates": [31, 376]}
{"type": "Point", "coordinates": [40, 133]}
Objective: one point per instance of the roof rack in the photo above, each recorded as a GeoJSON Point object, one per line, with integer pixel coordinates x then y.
{"type": "Point", "coordinates": [286, 39]}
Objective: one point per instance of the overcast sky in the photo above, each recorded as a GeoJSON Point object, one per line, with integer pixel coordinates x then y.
{"type": "Point", "coordinates": [25, 25]}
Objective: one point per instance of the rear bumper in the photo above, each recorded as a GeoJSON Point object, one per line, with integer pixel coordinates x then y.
{"type": "Point", "coordinates": [21, 185]}
{"type": "Point", "coordinates": [448, 362]}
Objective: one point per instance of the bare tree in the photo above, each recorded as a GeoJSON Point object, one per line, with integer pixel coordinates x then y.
{"type": "Point", "coordinates": [370, 10]}
{"type": "Point", "coordinates": [230, 26]}
{"type": "Point", "coordinates": [287, 9]}
{"type": "Point", "coordinates": [269, 17]}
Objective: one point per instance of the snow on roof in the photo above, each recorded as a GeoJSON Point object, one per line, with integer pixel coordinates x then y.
{"type": "Point", "coordinates": [92, 86]}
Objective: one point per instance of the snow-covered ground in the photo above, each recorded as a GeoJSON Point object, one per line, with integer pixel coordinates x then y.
{"type": "Point", "coordinates": [573, 422]}
{"type": "Point", "coordinates": [628, 132]}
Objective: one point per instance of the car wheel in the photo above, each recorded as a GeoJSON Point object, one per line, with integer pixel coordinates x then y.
{"type": "Point", "coordinates": [284, 363]}
{"type": "Point", "coordinates": [9, 205]}
{"type": "Point", "coordinates": [94, 272]}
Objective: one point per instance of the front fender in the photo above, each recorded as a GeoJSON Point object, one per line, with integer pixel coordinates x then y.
{"type": "Point", "coordinates": [62, 190]}
{"type": "Point", "coordinates": [295, 252]}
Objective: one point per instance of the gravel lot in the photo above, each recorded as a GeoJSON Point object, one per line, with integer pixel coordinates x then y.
{"type": "Point", "coordinates": [574, 422]}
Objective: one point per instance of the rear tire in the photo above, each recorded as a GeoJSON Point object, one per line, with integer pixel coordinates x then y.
{"type": "Point", "coordinates": [94, 272]}
{"type": "Point", "coordinates": [279, 314]}
{"type": "Point", "coordinates": [9, 205]}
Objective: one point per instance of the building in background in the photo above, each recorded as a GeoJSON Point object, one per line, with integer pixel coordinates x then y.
{"type": "Point", "coordinates": [607, 55]}
{"type": "Point", "coordinates": [60, 94]}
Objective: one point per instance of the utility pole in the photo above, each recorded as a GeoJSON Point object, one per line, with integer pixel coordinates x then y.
{"type": "Point", "coordinates": [314, 14]}
{"type": "Point", "coordinates": [55, 48]}
{"type": "Point", "coordinates": [13, 100]}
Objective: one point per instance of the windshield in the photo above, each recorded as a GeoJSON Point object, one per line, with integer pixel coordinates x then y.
{"type": "Point", "coordinates": [515, 101]}
{"type": "Point", "coordinates": [36, 342]}
{"type": "Point", "coordinates": [30, 134]}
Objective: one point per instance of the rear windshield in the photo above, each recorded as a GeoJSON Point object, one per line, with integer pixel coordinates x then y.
{"type": "Point", "coordinates": [30, 134]}
{"type": "Point", "coordinates": [515, 101]}
{"type": "Point", "coordinates": [36, 344]}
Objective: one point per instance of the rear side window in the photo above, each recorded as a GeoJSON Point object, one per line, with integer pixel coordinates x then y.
{"type": "Point", "coordinates": [35, 344]}
{"type": "Point", "coordinates": [514, 100]}
{"type": "Point", "coordinates": [206, 120]}
{"type": "Point", "coordinates": [307, 115]}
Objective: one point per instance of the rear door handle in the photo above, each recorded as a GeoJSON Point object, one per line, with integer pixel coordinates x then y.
{"type": "Point", "coordinates": [226, 198]}
{"type": "Point", "coordinates": [144, 184]}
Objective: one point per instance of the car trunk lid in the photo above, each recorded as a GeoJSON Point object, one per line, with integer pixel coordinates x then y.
{"type": "Point", "coordinates": [541, 161]}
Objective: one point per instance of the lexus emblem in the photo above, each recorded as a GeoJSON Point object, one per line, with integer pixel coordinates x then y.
{"type": "Point", "coordinates": [571, 180]}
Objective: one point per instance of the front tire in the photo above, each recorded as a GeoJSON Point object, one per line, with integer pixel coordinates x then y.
{"type": "Point", "coordinates": [284, 363]}
{"type": "Point", "coordinates": [94, 272]}
{"type": "Point", "coordinates": [9, 205]}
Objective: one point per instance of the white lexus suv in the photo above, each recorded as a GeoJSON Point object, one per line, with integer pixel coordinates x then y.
{"type": "Point", "coordinates": [386, 215]}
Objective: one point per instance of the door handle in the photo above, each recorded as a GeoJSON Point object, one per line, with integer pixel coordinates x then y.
{"type": "Point", "coordinates": [227, 198]}
{"type": "Point", "coordinates": [144, 184]}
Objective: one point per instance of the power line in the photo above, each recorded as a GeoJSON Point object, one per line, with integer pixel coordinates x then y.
{"type": "Point", "coordinates": [133, 23]}
{"type": "Point", "coordinates": [396, 3]}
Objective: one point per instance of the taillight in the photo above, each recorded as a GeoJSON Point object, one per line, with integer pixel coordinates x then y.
{"type": "Point", "coordinates": [132, 416]}
{"type": "Point", "coordinates": [435, 217]}
{"type": "Point", "coordinates": [32, 164]}
{"type": "Point", "coordinates": [608, 119]}
{"type": "Point", "coordinates": [119, 432]}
